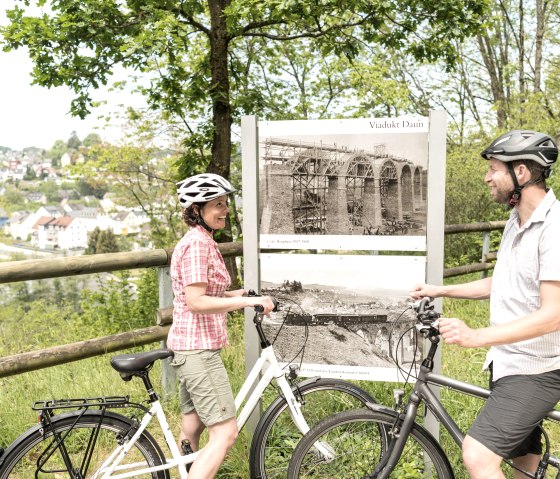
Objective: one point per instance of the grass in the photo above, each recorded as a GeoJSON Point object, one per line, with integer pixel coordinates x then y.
{"type": "Point", "coordinates": [95, 377]}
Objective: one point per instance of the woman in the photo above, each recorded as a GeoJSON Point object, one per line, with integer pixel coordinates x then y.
{"type": "Point", "coordinates": [200, 281]}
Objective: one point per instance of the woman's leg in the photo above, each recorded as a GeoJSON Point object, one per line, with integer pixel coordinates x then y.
{"type": "Point", "coordinates": [192, 428]}
{"type": "Point", "coordinates": [222, 436]}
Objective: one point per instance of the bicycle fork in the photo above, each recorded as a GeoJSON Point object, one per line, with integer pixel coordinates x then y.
{"type": "Point", "coordinates": [398, 435]}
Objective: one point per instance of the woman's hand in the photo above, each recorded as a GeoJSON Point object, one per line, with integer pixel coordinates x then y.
{"type": "Point", "coordinates": [266, 302]}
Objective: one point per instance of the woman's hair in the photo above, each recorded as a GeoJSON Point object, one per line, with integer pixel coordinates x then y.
{"type": "Point", "coordinates": [191, 215]}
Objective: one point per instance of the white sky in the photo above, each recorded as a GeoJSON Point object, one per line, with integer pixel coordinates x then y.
{"type": "Point", "coordinates": [37, 116]}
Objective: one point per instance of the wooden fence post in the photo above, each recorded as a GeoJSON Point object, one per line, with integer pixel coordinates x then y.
{"type": "Point", "coordinates": [485, 251]}
{"type": "Point", "coordinates": [168, 377]}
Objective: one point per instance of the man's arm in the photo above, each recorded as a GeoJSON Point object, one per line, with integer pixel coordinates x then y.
{"type": "Point", "coordinates": [543, 321]}
{"type": "Point", "coordinates": [479, 289]}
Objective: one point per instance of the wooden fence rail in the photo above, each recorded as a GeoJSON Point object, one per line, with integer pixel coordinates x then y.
{"type": "Point", "coordinates": [77, 265]}
{"type": "Point", "coordinates": [487, 257]}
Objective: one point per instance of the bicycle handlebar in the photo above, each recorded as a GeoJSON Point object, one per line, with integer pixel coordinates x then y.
{"type": "Point", "coordinates": [259, 308]}
{"type": "Point", "coordinates": [425, 311]}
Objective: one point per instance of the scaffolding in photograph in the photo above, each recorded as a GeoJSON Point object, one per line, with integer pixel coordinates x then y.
{"type": "Point", "coordinates": [313, 166]}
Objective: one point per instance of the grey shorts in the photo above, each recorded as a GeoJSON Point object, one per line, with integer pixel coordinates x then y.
{"type": "Point", "coordinates": [204, 385]}
{"type": "Point", "coordinates": [508, 422]}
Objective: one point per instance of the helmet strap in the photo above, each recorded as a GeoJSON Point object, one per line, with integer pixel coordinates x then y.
{"type": "Point", "coordinates": [200, 221]}
{"type": "Point", "coordinates": [515, 195]}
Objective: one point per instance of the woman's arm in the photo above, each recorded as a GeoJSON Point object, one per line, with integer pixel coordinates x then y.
{"type": "Point", "coordinates": [236, 292]}
{"type": "Point", "coordinates": [199, 302]}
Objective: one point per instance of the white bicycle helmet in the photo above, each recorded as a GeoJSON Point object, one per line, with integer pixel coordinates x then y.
{"type": "Point", "coordinates": [202, 188]}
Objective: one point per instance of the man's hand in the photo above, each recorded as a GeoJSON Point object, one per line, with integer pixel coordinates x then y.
{"type": "Point", "coordinates": [455, 331]}
{"type": "Point", "coordinates": [422, 290]}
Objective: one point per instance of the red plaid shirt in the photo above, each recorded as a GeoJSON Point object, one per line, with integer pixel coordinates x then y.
{"type": "Point", "coordinates": [196, 259]}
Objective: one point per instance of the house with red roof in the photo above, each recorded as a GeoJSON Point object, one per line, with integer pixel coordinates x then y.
{"type": "Point", "coordinates": [63, 232]}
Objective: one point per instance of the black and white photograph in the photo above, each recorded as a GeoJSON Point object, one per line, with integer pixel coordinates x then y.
{"type": "Point", "coordinates": [351, 312]}
{"type": "Point", "coordinates": [344, 184]}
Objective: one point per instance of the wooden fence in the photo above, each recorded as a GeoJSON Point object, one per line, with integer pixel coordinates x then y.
{"type": "Point", "coordinates": [100, 263]}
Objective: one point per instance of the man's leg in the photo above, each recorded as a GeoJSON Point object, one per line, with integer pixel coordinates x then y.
{"type": "Point", "coordinates": [528, 462]}
{"type": "Point", "coordinates": [481, 462]}
{"type": "Point", "coordinates": [222, 436]}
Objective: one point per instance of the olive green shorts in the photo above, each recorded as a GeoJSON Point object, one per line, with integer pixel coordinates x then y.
{"type": "Point", "coordinates": [204, 385]}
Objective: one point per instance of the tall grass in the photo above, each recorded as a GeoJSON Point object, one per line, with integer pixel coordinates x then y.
{"type": "Point", "coordinates": [95, 377]}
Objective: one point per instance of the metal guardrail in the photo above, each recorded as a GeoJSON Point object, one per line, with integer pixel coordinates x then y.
{"type": "Point", "coordinates": [77, 265]}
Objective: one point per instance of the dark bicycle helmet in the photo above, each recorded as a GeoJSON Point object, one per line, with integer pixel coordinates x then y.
{"type": "Point", "coordinates": [523, 145]}
{"type": "Point", "coordinates": [202, 188]}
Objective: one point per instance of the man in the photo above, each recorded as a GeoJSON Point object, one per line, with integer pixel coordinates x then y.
{"type": "Point", "coordinates": [524, 292]}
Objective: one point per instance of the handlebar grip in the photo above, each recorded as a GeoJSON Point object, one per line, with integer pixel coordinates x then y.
{"type": "Point", "coordinates": [259, 308]}
{"type": "Point", "coordinates": [423, 303]}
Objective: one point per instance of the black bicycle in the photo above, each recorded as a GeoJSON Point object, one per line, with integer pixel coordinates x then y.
{"type": "Point", "coordinates": [107, 437]}
{"type": "Point", "coordinates": [356, 443]}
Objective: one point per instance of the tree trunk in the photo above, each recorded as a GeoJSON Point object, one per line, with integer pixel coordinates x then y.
{"type": "Point", "coordinates": [219, 91]}
{"type": "Point", "coordinates": [496, 80]}
{"type": "Point", "coordinates": [539, 36]}
{"type": "Point", "coordinates": [521, 58]}
{"type": "Point", "coordinates": [221, 109]}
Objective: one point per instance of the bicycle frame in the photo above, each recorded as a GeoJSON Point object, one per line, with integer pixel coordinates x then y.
{"type": "Point", "coordinates": [422, 392]}
{"type": "Point", "coordinates": [267, 365]}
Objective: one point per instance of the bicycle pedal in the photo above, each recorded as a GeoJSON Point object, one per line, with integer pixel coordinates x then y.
{"type": "Point", "coordinates": [186, 448]}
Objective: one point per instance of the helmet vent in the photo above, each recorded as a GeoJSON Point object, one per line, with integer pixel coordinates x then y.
{"type": "Point", "coordinates": [547, 144]}
{"type": "Point", "coordinates": [502, 140]}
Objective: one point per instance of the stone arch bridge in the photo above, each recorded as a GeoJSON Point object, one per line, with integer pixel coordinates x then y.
{"type": "Point", "coordinates": [330, 189]}
{"type": "Point", "coordinates": [375, 330]}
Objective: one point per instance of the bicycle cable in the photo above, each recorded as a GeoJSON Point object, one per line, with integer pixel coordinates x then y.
{"type": "Point", "coordinates": [407, 374]}
{"type": "Point", "coordinates": [288, 310]}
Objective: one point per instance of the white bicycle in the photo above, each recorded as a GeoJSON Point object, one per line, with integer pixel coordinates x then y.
{"type": "Point", "coordinates": [85, 438]}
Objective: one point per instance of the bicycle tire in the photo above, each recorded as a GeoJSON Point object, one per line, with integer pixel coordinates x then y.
{"type": "Point", "coordinates": [353, 436]}
{"type": "Point", "coordinates": [276, 435]}
{"type": "Point", "coordinates": [21, 459]}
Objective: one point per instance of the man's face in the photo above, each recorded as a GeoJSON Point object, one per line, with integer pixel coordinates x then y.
{"type": "Point", "coordinates": [499, 181]}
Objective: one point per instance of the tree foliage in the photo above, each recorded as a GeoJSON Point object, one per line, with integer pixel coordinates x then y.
{"type": "Point", "coordinates": [143, 176]}
{"type": "Point", "coordinates": [74, 141]}
{"type": "Point", "coordinates": [198, 57]}
{"type": "Point", "coordinates": [102, 241]}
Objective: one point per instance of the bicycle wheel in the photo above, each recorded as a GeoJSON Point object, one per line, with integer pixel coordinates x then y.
{"type": "Point", "coordinates": [37, 455]}
{"type": "Point", "coordinates": [276, 435]}
{"type": "Point", "coordinates": [354, 439]}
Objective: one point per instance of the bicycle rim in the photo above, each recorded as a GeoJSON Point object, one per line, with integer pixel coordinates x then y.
{"type": "Point", "coordinates": [277, 436]}
{"type": "Point", "coordinates": [354, 438]}
{"type": "Point", "coordinates": [38, 456]}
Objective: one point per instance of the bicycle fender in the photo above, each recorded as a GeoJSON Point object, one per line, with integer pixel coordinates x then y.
{"type": "Point", "coordinates": [60, 417]}
{"type": "Point", "coordinates": [381, 408]}
{"type": "Point", "coordinates": [280, 399]}
{"type": "Point", "coordinates": [394, 414]}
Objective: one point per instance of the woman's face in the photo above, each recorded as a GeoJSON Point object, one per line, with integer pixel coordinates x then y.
{"type": "Point", "coordinates": [215, 212]}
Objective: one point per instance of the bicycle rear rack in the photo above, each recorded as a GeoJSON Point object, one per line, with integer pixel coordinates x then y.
{"type": "Point", "coordinates": [84, 403]}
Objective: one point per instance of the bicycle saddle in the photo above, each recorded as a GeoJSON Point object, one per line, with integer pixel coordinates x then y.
{"type": "Point", "coordinates": [139, 362]}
